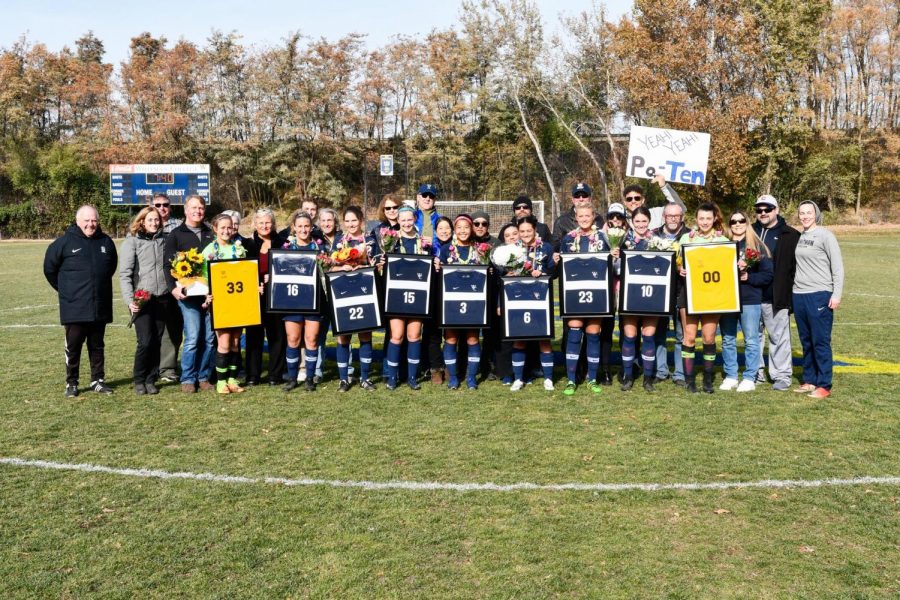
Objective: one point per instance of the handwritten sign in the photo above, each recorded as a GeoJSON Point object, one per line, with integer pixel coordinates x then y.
{"type": "Point", "coordinates": [681, 156]}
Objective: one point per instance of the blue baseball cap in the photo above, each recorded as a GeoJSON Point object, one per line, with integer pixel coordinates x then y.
{"type": "Point", "coordinates": [581, 189]}
{"type": "Point", "coordinates": [428, 188]}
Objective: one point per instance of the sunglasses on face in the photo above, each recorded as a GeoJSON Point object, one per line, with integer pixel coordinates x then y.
{"type": "Point", "coordinates": [633, 198]}
{"type": "Point", "coordinates": [764, 210]}
{"type": "Point", "coordinates": [581, 196]}
{"type": "Point", "coordinates": [522, 207]}
{"type": "Point", "coordinates": [429, 196]}
{"type": "Point", "coordinates": [738, 221]}
{"type": "Point", "coordinates": [161, 205]}
{"type": "Point", "coordinates": [391, 207]}
{"type": "Point", "coordinates": [480, 223]}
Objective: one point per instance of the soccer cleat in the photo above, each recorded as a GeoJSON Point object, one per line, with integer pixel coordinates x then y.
{"type": "Point", "coordinates": [344, 386]}
{"type": "Point", "coordinates": [151, 388]}
{"type": "Point", "coordinates": [605, 377]}
{"type": "Point", "coordinates": [781, 386]}
{"type": "Point", "coordinates": [570, 389]}
{"type": "Point", "coordinates": [140, 389]}
{"type": "Point", "coordinates": [728, 384]}
{"type": "Point", "coordinates": [627, 384]}
{"type": "Point", "coordinates": [819, 393]}
{"type": "Point", "coordinates": [310, 385]}
{"type": "Point", "coordinates": [804, 388]}
{"type": "Point", "coordinates": [648, 384]}
{"type": "Point", "coordinates": [471, 385]}
{"type": "Point", "coordinates": [317, 379]}
{"type": "Point", "coordinates": [100, 387]}
{"type": "Point", "coordinates": [507, 381]}
{"type": "Point", "coordinates": [595, 387]}
{"type": "Point", "coordinates": [708, 382]}
{"type": "Point", "coordinates": [548, 385]}
{"type": "Point", "coordinates": [289, 386]}
{"type": "Point", "coordinates": [222, 388]}
{"type": "Point", "coordinates": [391, 385]}
{"type": "Point", "coordinates": [367, 385]}
{"type": "Point", "coordinates": [517, 385]}
{"type": "Point", "coordinates": [691, 384]}
{"type": "Point", "coordinates": [71, 391]}
{"type": "Point", "coordinates": [234, 387]}
{"type": "Point", "coordinates": [747, 385]}
{"type": "Point", "coordinates": [414, 385]}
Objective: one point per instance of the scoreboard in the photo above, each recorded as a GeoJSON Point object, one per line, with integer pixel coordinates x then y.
{"type": "Point", "coordinates": [136, 184]}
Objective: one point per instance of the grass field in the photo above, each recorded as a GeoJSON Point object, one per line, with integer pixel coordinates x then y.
{"type": "Point", "coordinates": [76, 534]}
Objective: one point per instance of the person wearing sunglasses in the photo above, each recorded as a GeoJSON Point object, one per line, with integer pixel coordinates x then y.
{"type": "Point", "coordinates": [426, 215]}
{"type": "Point", "coordinates": [523, 207]}
{"type": "Point", "coordinates": [781, 240]}
{"type": "Point", "coordinates": [753, 279]}
{"type": "Point", "coordinates": [163, 206]}
{"type": "Point", "coordinates": [566, 222]}
{"type": "Point", "coordinates": [633, 197]}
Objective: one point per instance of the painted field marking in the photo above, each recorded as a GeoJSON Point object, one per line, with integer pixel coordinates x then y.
{"type": "Point", "coordinates": [454, 487]}
{"type": "Point", "coordinates": [32, 307]}
{"type": "Point", "coordinates": [873, 295]}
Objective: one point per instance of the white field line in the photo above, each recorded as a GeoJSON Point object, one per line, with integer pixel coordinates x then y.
{"type": "Point", "coordinates": [47, 325]}
{"type": "Point", "coordinates": [454, 487]}
{"type": "Point", "coordinates": [872, 295]}
{"type": "Point", "coordinates": [33, 307]}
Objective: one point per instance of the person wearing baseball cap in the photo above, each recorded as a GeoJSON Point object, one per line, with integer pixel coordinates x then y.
{"type": "Point", "coordinates": [426, 215]}
{"type": "Point", "coordinates": [781, 239]}
{"type": "Point", "coordinates": [581, 196]}
{"type": "Point", "coordinates": [523, 207]}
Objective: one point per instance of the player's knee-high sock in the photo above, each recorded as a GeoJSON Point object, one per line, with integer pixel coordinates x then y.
{"type": "Point", "coordinates": [450, 363]}
{"type": "Point", "coordinates": [648, 355]}
{"type": "Point", "coordinates": [547, 364]}
{"type": "Point", "coordinates": [292, 359]}
{"type": "Point", "coordinates": [628, 344]}
{"type": "Point", "coordinates": [413, 356]}
{"type": "Point", "coordinates": [312, 357]}
{"type": "Point", "coordinates": [518, 363]}
{"type": "Point", "coordinates": [709, 358]}
{"type": "Point", "coordinates": [365, 359]}
{"type": "Point", "coordinates": [573, 351]}
{"type": "Point", "coordinates": [687, 357]}
{"type": "Point", "coordinates": [392, 361]}
{"type": "Point", "coordinates": [235, 363]}
{"type": "Point", "coordinates": [222, 360]}
{"type": "Point", "coordinates": [474, 361]}
{"type": "Point", "coordinates": [343, 360]}
{"type": "Point", "coordinates": [593, 355]}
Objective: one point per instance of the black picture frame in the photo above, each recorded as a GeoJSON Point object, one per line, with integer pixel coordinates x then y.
{"type": "Point", "coordinates": [251, 314]}
{"type": "Point", "coordinates": [629, 278]}
{"type": "Point", "coordinates": [281, 264]}
{"type": "Point", "coordinates": [599, 288]}
{"type": "Point", "coordinates": [521, 329]}
{"type": "Point", "coordinates": [451, 300]}
{"type": "Point", "coordinates": [392, 308]}
{"type": "Point", "coordinates": [735, 292]}
{"type": "Point", "coordinates": [365, 280]}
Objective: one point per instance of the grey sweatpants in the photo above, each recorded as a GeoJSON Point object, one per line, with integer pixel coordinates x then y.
{"type": "Point", "coordinates": [778, 326]}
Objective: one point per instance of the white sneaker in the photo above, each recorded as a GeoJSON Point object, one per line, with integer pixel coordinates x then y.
{"type": "Point", "coordinates": [747, 385]}
{"type": "Point", "coordinates": [548, 385]}
{"type": "Point", "coordinates": [728, 384]}
{"type": "Point", "coordinates": [516, 385]}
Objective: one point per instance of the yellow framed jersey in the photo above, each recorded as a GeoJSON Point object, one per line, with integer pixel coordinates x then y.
{"type": "Point", "coordinates": [712, 280]}
{"type": "Point", "coordinates": [234, 285]}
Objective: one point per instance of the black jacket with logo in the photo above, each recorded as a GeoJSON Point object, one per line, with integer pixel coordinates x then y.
{"type": "Point", "coordinates": [80, 269]}
{"type": "Point", "coordinates": [781, 240]}
{"type": "Point", "coordinates": [182, 239]}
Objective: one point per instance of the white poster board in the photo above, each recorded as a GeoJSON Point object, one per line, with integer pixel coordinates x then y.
{"type": "Point", "coordinates": [681, 156]}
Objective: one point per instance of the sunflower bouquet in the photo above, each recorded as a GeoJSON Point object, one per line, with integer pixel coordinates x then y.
{"type": "Point", "coordinates": [187, 269]}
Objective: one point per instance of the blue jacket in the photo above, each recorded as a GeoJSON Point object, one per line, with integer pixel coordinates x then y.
{"type": "Point", "coordinates": [420, 220]}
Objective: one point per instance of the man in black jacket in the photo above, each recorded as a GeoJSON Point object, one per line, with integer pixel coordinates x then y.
{"type": "Point", "coordinates": [781, 240]}
{"type": "Point", "coordinates": [80, 265]}
{"type": "Point", "coordinates": [199, 339]}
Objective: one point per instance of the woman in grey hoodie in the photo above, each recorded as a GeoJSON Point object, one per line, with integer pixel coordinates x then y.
{"type": "Point", "coordinates": [818, 284]}
{"type": "Point", "coordinates": [141, 268]}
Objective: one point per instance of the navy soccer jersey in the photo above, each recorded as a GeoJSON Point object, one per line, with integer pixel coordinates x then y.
{"type": "Point", "coordinates": [408, 284]}
{"type": "Point", "coordinates": [354, 301]}
{"type": "Point", "coordinates": [585, 285]}
{"type": "Point", "coordinates": [647, 284]}
{"type": "Point", "coordinates": [465, 297]}
{"type": "Point", "coordinates": [527, 308]}
{"type": "Point", "coordinates": [294, 286]}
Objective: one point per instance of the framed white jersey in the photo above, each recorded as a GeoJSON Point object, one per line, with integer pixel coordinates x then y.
{"type": "Point", "coordinates": [464, 296]}
{"type": "Point", "coordinates": [407, 284]}
{"type": "Point", "coordinates": [527, 307]}
{"type": "Point", "coordinates": [294, 284]}
{"type": "Point", "coordinates": [647, 286]}
{"type": "Point", "coordinates": [585, 285]}
{"type": "Point", "coordinates": [354, 300]}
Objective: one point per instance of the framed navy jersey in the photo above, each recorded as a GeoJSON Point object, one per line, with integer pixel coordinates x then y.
{"type": "Point", "coordinates": [294, 284]}
{"type": "Point", "coordinates": [464, 296]}
{"type": "Point", "coordinates": [407, 283]}
{"type": "Point", "coordinates": [234, 285]}
{"type": "Point", "coordinates": [527, 307]}
{"type": "Point", "coordinates": [355, 305]}
{"type": "Point", "coordinates": [585, 285]}
{"type": "Point", "coordinates": [648, 283]}
{"type": "Point", "coordinates": [713, 283]}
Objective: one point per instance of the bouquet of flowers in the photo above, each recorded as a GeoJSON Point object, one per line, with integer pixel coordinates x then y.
{"type": "Point", "coordinates": [750, 258]}
{"type": "Point", "coordinates": [615, 236]}
{"type": "Point", "coordinates": [390, 239]}
{"type": "Point", "coordinates": [662, 244]}
{"type": "Point", "coordinates": [140, 298]}
{"type": "Point", "coordinates": [510, 258]}
{"type": "Point", "coordinates": [483, 251]}
{"type": "Point", "coordinates": [187, 269]}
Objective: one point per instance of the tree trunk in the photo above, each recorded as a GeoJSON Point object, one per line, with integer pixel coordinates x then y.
{"type": "Point", "coordinates": [859, 181]}
{"type": "Point", "coordinates": [554, 201]}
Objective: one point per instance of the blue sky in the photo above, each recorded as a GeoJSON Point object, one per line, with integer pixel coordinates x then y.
{"type": "Point", "coordinates": [262, 22]}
